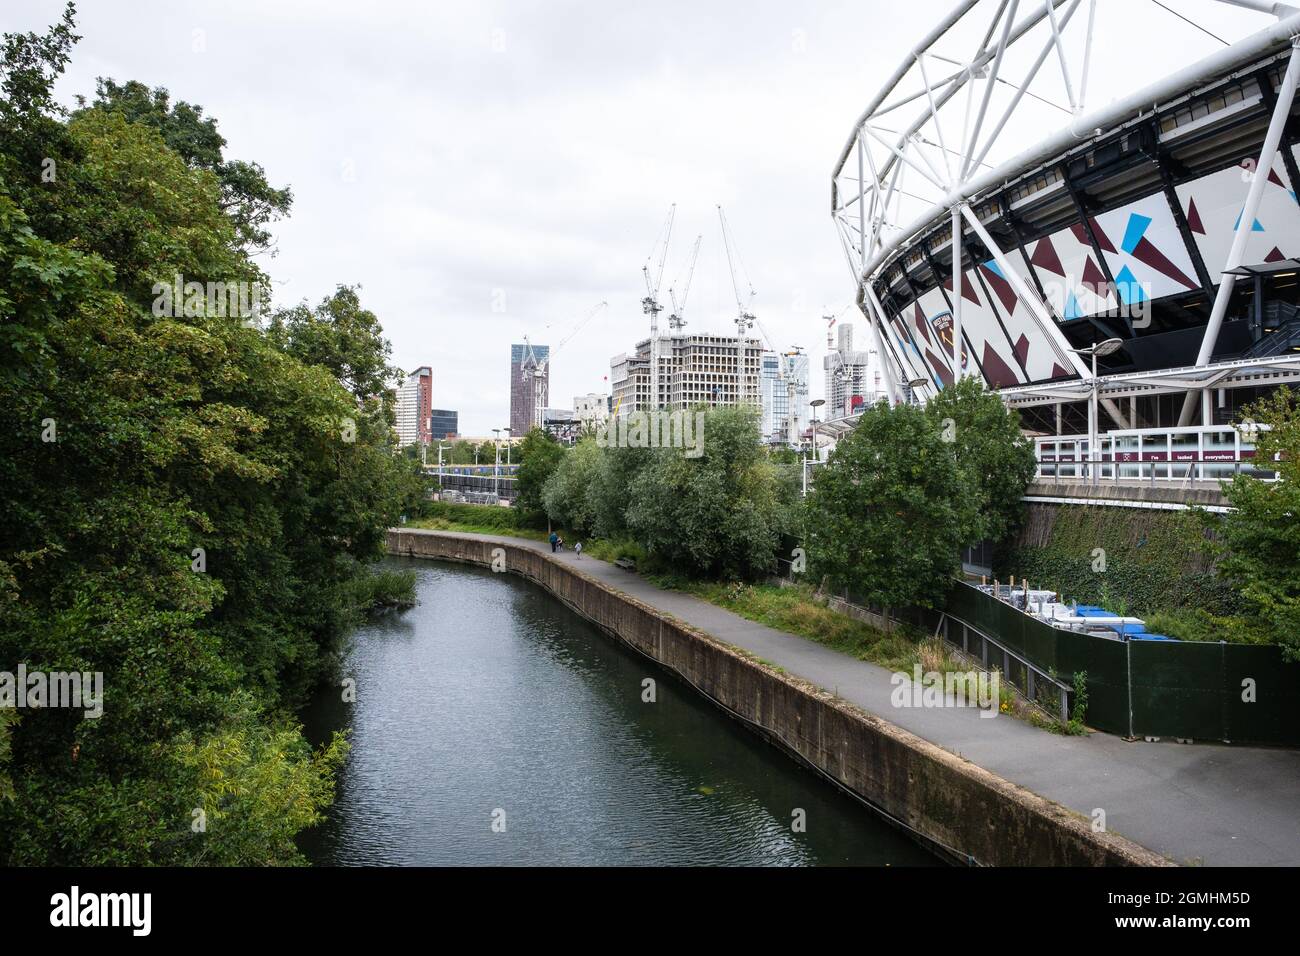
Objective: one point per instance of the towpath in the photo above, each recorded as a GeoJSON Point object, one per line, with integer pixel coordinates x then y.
{"type": "Point", "coordinates": [1198, 804]}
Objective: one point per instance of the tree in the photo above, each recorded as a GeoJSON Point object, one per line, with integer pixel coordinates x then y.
{"type": "Point", "coordinates": [343, 337]}
{"type": "Point", "coordinates": [250, 202]}
{"type": "Point", "coordinates": [1261, 534]}
{"type": "Point", "coordinates": [569, 496]}
{"type": "Point", "coordinates": [997, 461]}
{"type": "Point", "coordinates": [539, 456]}
{"type": "Point", "coordinates": [718, 515]}
{"type": "Point", "coordinates": [618, 473]}
{"type": "Point", "coordinates": [890, 510]}
{"type": "Point", "coordinates": [187, 504]}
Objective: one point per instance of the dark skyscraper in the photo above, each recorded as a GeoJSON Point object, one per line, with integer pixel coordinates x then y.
{"type": "Point", "coordinates": [529, 387]}
{"type": "Point", "coordinates": [443, 423]}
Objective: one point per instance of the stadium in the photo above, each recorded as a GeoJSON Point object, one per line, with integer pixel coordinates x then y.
{"type": "Point", "coordinates": [1128, 280]}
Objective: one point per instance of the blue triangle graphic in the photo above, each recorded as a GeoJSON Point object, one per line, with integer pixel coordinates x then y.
{"type": "Point", "coordinates": [1137, 226]}
{"type": "Point", "coordinates": [1257, 227]}
{"type": "Point", "coordinates": [1128, 287]}
{"type": "Point", "coordinates": [1072, 308]}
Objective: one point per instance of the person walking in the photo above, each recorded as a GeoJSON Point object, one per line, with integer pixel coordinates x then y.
{"type": "Point", "coordinates": [554, 539]}
{"type": "Point", "coordinates": [577, 550]}
{"type": "Point", "coordinates": [559, 543]}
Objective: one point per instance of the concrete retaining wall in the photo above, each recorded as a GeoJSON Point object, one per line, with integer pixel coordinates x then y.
{"type": "Point", "coordinates": [956, 807]}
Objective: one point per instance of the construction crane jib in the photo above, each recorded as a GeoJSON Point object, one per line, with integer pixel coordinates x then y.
{"type": "Point", "coordinates": [744, 318]}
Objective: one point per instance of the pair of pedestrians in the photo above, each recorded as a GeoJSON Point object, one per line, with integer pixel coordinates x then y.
{"type": "Point", "coordinates": [557, 544]}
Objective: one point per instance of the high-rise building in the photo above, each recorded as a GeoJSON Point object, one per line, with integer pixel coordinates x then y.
{"type": "Point", "coordinates": [783, 373]}
{"type": "Point", "coordinates": [697, 369]}
{"type": "Point", "coordinates": [414, 407]}
{"type": "Point", "coordinates": [852, 378]}
{"type": "Point", "coordinates": [529, 388]}
{"type": "Point", "coordinates": [443, 423]}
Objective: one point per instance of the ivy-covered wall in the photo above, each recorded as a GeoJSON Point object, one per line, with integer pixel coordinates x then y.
{"type": "Point", "coordinates": [1134, 560]}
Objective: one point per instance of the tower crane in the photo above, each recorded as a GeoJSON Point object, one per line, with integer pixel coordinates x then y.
{"type": "Point", "coordinates": [538, 373]}
{"type": "Point", "coordinates": [676, 321]}
{"type": "Point", "coordinates": [744, 318]}
{"type": "Point", "coordinates": [650, 304]}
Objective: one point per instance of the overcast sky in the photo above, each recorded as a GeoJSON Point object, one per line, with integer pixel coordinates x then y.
{"type": "Point", "coordinates": [453, 158]}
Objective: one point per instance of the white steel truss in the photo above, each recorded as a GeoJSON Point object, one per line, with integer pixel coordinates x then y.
{"type": "Point", "coordinates": [925, 153]}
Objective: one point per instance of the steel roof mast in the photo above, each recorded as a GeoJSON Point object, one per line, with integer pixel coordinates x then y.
{"type": "Point", "coordinates": [650, 304]}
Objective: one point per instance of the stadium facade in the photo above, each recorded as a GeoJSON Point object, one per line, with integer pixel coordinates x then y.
{"type": "Point", "coordinates": [1167, 220]}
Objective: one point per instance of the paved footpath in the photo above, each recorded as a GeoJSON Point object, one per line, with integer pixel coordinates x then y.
{"type": "Point", "coordinates": [1206, 804]}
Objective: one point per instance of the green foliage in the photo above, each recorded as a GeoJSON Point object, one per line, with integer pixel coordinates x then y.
{"type": "Point", "coordinates": [341, 336]}
{"type": "Point", "coordinates": [1154, 561]}
{"type": "Point", "coordinates": [249, 201]}
{"type": "Point", "coordinates": [569, 495]}
{"type": "Point", "coordinates": [722, 513]}
{"type": "Point", "coordinates": [490, 518]}
{"type": "Point", "coordinates": [382, 590]}
{"type": "Point", "coordinates": [1198, 624]}
{"type": "Point", "coordinates": [1262, 534]}
{"type": "Point", "coordinates": [540, 455]}
{"type": "Point", "coordinates": [717, 515]}
{"type": "Point", "coordinates": [617, 550]}
{"type": "Point", "coordinates": [187, 505]}
{"type": "Point", "coordinates": [618, 473]}
{"type": "Point", "coordinates": [7, 719]}
{"type": "Point", "coordinates": [1079, 708]}
{"type": "Point", "coordinates": [996, 460]}
{"type": "Point", "coordinates": [890, 511]}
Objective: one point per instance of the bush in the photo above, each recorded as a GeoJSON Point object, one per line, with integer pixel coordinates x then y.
{"type": "Point", "coordinates": [539, 456]}
{"type": "Point", "coordinates": [717, 515]}
{"type": "Point", "coordinates": [889, 511]}
{"type": "Point", "coordinates": [570, 494]}
{"type": "Point", "coordinates": [997, 461]}
{"type": "Point", "coordinates": [492, 518]}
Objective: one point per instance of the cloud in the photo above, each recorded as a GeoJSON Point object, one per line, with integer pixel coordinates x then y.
{"type": "Point", "coordinates": [440, 152]}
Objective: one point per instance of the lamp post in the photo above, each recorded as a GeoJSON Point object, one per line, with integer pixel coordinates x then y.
{"type": "Point", "coordinates": [816, 403]}
{"type": "Point", "coordinates": [496, 466]}
{"type": "Point", "coordinates": [1105, 347]}
{"type": "Point", "coordinates": [508, 437]}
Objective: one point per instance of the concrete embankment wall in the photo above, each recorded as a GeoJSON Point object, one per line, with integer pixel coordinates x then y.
{"type": "Point", "coordinates": [949, 802]}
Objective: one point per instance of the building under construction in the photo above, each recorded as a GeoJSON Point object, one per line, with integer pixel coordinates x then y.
{"type": "Point", "coordinates": [694, 369]}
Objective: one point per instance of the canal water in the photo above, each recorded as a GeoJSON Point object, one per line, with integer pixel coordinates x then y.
{"type": "Point", "coordinates": [492, 725]}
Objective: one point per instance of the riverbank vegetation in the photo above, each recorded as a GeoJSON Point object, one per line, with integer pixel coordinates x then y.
{"type": "Point", "coordinates": [191, 496]}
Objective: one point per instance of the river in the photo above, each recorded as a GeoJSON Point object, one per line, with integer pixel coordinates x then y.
{"type": "Point", "coordinates": [494, 726]}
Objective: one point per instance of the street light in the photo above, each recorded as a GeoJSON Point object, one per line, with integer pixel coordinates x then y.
{"type": "Point", "coordinates": [1105, 347]}
{"type": "Point", "coordinates": [816, 403]}
{"type": "Point", "coordinates": [496, 466]}
{"type": "Point", "coordinates": [441, 446]}
{"type": "Point", "coordinates": [913, 384]}
{"type": "Point", "coordinates": [508, 437]}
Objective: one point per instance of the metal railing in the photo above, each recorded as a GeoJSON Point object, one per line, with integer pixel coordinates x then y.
{"type": "Point", "coordinates": [1178, 455]}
